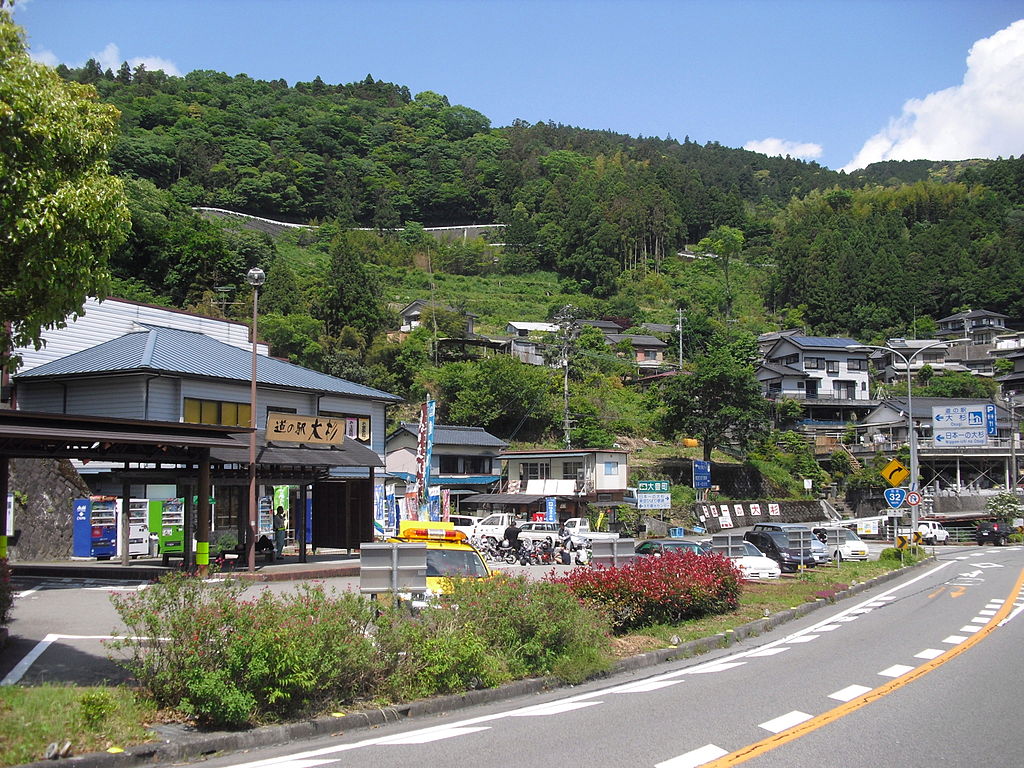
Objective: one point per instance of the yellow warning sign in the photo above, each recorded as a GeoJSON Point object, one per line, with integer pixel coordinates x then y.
{"type": "Point", "coordinates": [902, 542]}
{"type": "Point", "coordinates": [895, 472]}
{"type": "Point", "coordinates": [918, 538]}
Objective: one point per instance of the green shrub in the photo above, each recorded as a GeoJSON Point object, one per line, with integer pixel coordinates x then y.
{"type": "Point", "coordinates": [95, 707]}
{"type": "Point", "coordinates": [229, 661]}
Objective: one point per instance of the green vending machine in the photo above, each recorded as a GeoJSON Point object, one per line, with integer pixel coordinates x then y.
{"type": "Point", "coordinates": [167, 521]}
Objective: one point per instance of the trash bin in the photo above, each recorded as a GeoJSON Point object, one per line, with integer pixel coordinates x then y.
{"type": "Point", "coordinates": [154, 545]}
{"type": "Point", "coordinates": [676, 533]}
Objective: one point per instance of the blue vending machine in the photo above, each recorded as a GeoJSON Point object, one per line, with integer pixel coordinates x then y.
{"type": "Point", "coordinates": [94, 531]}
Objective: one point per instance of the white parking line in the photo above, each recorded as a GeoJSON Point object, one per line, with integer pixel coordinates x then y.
{"type": "Point", "coordinates": [785, 721]}
{"type": "Point", "coordinates": [694, 757]}
{"type": "Point", "coordinates": [849, 692]}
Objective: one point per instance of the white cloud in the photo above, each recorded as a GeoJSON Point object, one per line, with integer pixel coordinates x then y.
{"type": "Point", "coordinates": [982, 117]}
{"type": "Point", "coordinates": [782, 147]}
{"type": "Point", "coordinates": [110, 58]}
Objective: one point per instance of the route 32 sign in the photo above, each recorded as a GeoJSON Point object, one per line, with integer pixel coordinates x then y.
{"type": "Point", "coordinates": [895, 497]}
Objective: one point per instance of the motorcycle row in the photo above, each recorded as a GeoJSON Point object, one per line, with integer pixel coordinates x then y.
{"type": "Point", "coordinates": [527, 552]}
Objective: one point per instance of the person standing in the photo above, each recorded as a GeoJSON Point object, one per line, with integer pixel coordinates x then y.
{"type": "Point", "coordinates": [279, 532]}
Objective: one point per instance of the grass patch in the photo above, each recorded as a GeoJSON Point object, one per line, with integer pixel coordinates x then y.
{"type": "Point", "coordinates": [93, 719]}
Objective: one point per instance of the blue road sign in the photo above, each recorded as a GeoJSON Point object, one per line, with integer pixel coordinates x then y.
{"type": "Point", "coordinates": [895, 497]}
{"type": "Point", "coordinates": [990, 420]}
{"type": "Point", "coordinates": [701, 474]}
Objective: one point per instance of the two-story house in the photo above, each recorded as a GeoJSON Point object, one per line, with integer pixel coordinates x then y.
{"type": "Point", "coordinates": [828, 375]}
{"type": "Point", "coordinates": [464, 460]}
{"type": "Point", "coordinates": [412, 315]}
{"type": "Point", "coordinates": [920, 352]}
{"type": "Point", "coordinates": [647, 351]}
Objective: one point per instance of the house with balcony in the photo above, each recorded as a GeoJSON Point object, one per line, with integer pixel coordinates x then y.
{"type": "Point", "coordinates": [824, 373]}
{"type": "Point", "coordinates": [980, 467]}
{"type": "Point", "coordinates": [921, 352]}
{"type": "Point", "coordinates": [464, 460]}
{"type": "Point", "coordinates": [981, 326]}
{"type": "Point", "coordinates": [578, 479]}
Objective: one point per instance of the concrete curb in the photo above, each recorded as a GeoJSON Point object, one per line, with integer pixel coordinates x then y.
{"type": "Point", "coordinates": [192, 745]}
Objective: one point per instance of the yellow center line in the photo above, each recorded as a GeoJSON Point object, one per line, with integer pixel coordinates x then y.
{"type": "Point", "coordinates": [797, 731]}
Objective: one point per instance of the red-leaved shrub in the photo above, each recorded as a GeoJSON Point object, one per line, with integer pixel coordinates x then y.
{"type": "Point", "coordinates": [658, 590]}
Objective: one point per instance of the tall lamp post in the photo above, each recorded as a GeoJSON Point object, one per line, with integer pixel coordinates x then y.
{"type": "Point", "coordinates": [911, 430]}
{"type": "Point", "coordinates": [255, 277]}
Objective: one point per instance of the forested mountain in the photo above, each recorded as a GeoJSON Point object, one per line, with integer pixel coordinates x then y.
{"type": "Point", "coordinates": [868, 254]}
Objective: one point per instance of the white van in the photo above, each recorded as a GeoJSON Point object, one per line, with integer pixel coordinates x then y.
{"type": "Point", "coordinates": [932, 532]}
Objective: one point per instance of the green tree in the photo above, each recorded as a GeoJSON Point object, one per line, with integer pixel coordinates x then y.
{"type": "Point", "coordinates": [61, 212]}
{"type": "Point", "coordinates": [721, 400]}
{"type": "Point", "coordinates": [959, 384]}
{"type": "Point", "coordinates": [351, 294]}
{"type": "Point", "coordinates": [725, 243]}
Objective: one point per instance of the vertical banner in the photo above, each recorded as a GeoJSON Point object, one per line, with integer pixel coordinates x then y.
{"type": "Point", "coordinates": [281, 498]}
{"type": "Point", "coordinates": [424, 451]}
{"type": "Point", "coordinates": [434, 504]}
{"type": "Point", "coordinates": [391, 511]}
{"type": "Point", "coordinates": [364, 430]}
{"type": "Point", "coordinates": [446, 504]}
{"type": "Point", "coordinates": [412, 507]}
{"type": "Point", "coordinates": [352, 428]}
{"type": "Point", "coordinates": [379, 508]}
{"type": "Point", "coordinates": [550, 509]}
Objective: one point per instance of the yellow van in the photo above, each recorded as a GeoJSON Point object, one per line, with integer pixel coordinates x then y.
{"type": "Point", "coordinates": [449, 553]}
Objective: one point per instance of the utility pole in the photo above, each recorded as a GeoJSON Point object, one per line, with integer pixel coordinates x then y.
{"type": "Point", "coordinates": [679, 327]}
{"type": "Point", "coordinates": [1011, 398]}
{"type": "Point", "coordinates": [569, 329]}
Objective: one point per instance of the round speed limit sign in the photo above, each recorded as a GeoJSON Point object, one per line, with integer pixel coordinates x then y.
{"type": "Point", "coordinates": [913, 498]}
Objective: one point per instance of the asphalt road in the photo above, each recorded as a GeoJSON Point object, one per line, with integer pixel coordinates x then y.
{"type": "Point", "coordinates": [918, 672]}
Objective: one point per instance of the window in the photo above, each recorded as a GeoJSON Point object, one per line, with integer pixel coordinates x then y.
{"type": "Point", "coordinates": [477, 465]}
{"type": "Point", "coordinates": [788, 359]}
{"type": "Point", "coordinates": [814, 363]}
{"type": "Point", "coordinates": [448, 465]}
{"type": "Point", "coordinates": [832, 366]}
{"type": "Point", "coordinates": [611, 468]}
{"type": "Point", "coordinates": [227, 413]}
{"type": "Point", "coordinates": [650, 354]}
{"type": "Point", "coordinates": [534, 470]}
{"type": "Point", "coordinates": [855, 364]}
{"type": "Point", "coordinates": [571, 470]}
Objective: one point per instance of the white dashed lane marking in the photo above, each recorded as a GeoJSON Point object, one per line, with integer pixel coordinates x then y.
{"type": "Point", "coordinates": [695, 757]}
{"type": "Point", "coordinates": [849, 692]}
{"type": "Point", "coordinates": [788, 720]}
{"type": "Point", "coordinates": [929, 654]}
{"type": "Point", "coordinates": [896, 670]}
{"type": "Point", "coordinates": [954, 639]}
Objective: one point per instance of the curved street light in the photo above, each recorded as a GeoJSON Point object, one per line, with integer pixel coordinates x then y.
{"type": "Point", "coordinates": [255, 277]}
{"type": "Point", "coordinates": [911, 430]}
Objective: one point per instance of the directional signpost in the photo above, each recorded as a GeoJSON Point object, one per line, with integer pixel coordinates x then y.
{"type": "Point", "coordinates": [653, 494]}
{"type": "Point", "coordinates": [957, 426]}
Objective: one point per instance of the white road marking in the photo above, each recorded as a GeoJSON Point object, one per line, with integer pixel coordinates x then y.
{"type": "Point", "coordinates": [848, 618]}
{"type": "Point", "coordinates": [304, 763]}
{"type": "Point", "coordinates": [929, 653]}
{"type": "Point", "coordinates": [861, 610]}
{"type": "Point", "coordinates": [849, 692]}
{"type": "Point", "coordinates": [26, 593]}
{"type": "Point", "coordinates": [954, 639]}
{"type": "Point", "coordinates": [769, 651]}
{"type": "Point", "coordinates": [30, 658]}
{"type": "Point", "coordinates": [785, 721]}
{"type": "Point", "coordinates": [886, 597]}
{"type": "Point", "coordinates": [987, 613]}
{"type": "Point", "coordinates": [996, 601]}
{"type": "Point", "coordinates": [716, 667]}
{"type": "Point", "coordinates": [421, 737]}
{"type": "Point", "coordinates": [827, 628]}
{"type": "Point", "coordinates": [970, 629]}
{"type": "Point", "coordinates": [876, 604]}
{"type": "Point", "coordinates": [983, 620]}
{"type": "Point", "coordinates": [803, 639]}
{"type": "Point", "coordinates": [694, 758]}
{"type": "Point", "coordinates": [646, 686]}
{"type": "Point", "coordinates": [896, 670]}
{"type": "Point", "coordinates": [554, 708]}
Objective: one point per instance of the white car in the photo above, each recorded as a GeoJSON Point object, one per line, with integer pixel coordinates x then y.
{"type": "Point", "coordinates": [851, 546]}
{"type": "Point", "coordinates": [539, 531]}
{"type": "Point", "coordinates": [754, 565]}
{"type": "Point", "coordinates": [464, 523]}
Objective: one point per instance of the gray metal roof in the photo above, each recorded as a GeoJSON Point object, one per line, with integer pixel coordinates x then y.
{"type": "Point", "coordinates": [455, 435]}
{"type": "Point", "coordinates": [188, 353]}
{"type": "Point", "coordinates": [636, 339]}
{"type": "Point", "coordinates": [821, 341]}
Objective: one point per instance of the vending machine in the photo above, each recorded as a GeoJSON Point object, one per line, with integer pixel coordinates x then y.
{"type": "Point", "coordinates": [138, 528]}
{"type": "Point", "coordinates": [167, 521]}
{"type": "Point", "coordinates": [94, 527]}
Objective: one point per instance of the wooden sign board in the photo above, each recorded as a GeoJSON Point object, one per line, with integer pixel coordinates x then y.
{"type": "Point", "coordinates": [311, 430]}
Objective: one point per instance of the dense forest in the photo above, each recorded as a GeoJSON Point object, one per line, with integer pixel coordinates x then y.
{"type": "Point", "coordinates": [618, 226]}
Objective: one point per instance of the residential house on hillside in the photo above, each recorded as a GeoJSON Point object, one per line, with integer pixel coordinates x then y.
{"type": "Point", "coordinates": [981, 326]}
{"type": "Point", "coordinates": [647, 351]}
{"type": "Point", "coordinates": [828, 377]}
{"type": "Point", "coordinates": [982, 466]}
{"type": "Point", "coordinates": [893, 368]}
{"type": "Point", "coordinates": [576, 478]}
{"type": "Point", "coordinates": [464, 460]}
{"type": "Point", "coordinates": [525, 340]}
{"type": "Point", "coordinates": [605, 326]}
{"type": "Point", "coordinates": [412, 315]}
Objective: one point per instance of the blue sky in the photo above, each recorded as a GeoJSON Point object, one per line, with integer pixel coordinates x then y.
{"type": "Point", "coordinates": [843, 82]}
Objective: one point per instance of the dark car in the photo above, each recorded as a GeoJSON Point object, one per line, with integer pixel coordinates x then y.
{"type": "Point", "coordinates": [775, 544]}
{"type": "Point", "coordinates": [993, 532]}
{"type": "Point", "coordinates": [658, 546]}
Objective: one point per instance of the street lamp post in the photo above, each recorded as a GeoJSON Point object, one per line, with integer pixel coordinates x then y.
{"type": "Point", "coordinates": [911, 430]}
{"type": "Point", "coordinates": [255, 277]}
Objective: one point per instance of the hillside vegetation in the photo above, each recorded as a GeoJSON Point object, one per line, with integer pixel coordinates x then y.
{"type": "Point", "coordinates": [623, 227]}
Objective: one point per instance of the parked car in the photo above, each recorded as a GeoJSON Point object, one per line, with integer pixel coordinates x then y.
{"type": "Point", "coordinates": [851, 546]}
{"type": "Point", "coordinates": [658, 546]}
{"type": "Point", "coordinates": [752, 564]}
{"type": "Point", "coordinates": [464, 523]}
{"type": "Point", "coordinates": [994, 532]}
{"type": "Point", "coordinates": [818, 550]}
{"type": "Point", "coordinates": [775, 544]}
{"type": "Point", "coordinates": [933, 532]}
{"type": "Point", "coordinates": [539, 531]}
